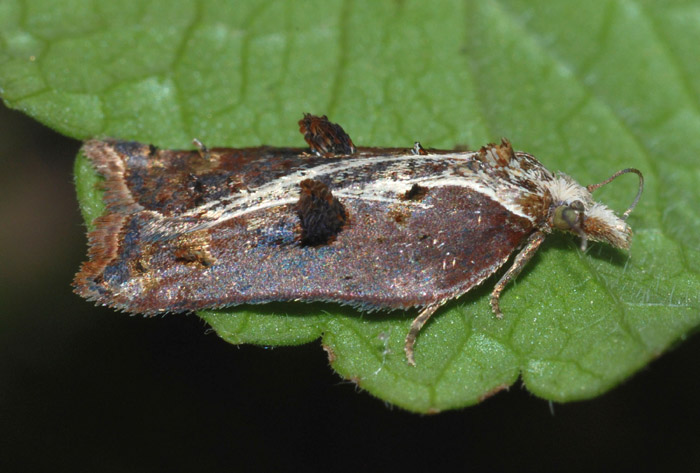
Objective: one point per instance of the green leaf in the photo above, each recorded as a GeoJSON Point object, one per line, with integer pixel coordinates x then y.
{"type": "Point", "coordinates": [589, 88]}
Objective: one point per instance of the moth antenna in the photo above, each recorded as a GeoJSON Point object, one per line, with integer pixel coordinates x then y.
{"type": "Point", "coordinates": [627, 212]}
{"type": "Point", "coordinates": [203, 150]}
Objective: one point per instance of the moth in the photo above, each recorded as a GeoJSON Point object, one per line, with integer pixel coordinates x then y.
{"type": "Point", "coordinates": [375, 228]}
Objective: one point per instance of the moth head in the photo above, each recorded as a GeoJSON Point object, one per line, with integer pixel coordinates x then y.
{"type": "Point", "coordinates": [574, 210]}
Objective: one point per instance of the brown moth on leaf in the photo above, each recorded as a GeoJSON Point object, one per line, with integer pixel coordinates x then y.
{"type": "Point", "coordinates": [375, 228]}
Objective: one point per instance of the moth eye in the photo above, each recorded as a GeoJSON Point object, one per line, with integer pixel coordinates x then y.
{"type": "Point", "coordinates": [577, 205]}
{"type": "Point", "coordinates": [566, 217]}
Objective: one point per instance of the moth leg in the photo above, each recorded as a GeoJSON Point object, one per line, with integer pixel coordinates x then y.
{"type": "Point", "coordinates": [533, 242]}
{"type": "Point", "coordinates": [416, 325]}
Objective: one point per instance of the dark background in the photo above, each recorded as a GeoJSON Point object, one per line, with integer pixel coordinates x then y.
{"type": "Point", "coordinates": [84, 388]}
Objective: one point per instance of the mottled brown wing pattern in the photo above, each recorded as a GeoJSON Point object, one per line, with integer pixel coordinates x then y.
{"type": "Point", "coordinates": [410, 252]}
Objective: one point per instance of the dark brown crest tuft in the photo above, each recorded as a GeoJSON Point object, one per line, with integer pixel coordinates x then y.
{"type": "Point", "coordinates": [325, 138]}
{"type": "Point", "coordinates": [497, 155]}
{"type": "Point", "coordinates": [321, 215]}
{"type": "Point", "coordinates": [416, 192]}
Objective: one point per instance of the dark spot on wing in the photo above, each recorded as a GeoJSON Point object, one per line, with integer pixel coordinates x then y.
{"type": "Point", "coordinates": [197, 189]}
{"type": "Point", "coordinates": [416, 193]}
{"type": "Point", "coordinates": [321, 215]}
